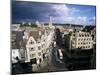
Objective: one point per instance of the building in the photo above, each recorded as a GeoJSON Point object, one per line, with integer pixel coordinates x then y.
{"type": "Point", "coordinates": [34, 44]}
{"type": "Point", "coordinates": [45, 25]}
{"type": "Point", "coordinates": [33, 47]}
{"type": "Point", "coordinates": [93, 33]}
{"type": "Point", "coordinates": [15, 27]}
{"type": "Point", "coordinates": [16, 40]}
{"type": "Point", "coordinates": [79, 40]}
{"type": "Point", "coordinates": [37, 45]}
{"type": "Point", "coordinates": [15, 55]}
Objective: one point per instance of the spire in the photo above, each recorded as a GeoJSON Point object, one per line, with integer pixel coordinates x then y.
{"type": "Point", "coordinates": [70, 26]}
{"type": "Point", "coordinates": [50, 21]}
{"type": "Point", "coordinates": [84, 26]}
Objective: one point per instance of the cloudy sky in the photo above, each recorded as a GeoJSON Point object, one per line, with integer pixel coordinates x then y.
{"type": "Point", "coordinates": [61, 13]}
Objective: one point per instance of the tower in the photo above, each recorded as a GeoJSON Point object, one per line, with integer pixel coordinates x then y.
{"type": "Point", "coordinates": [50, 21]}
{"type": "Point", "coordinates": [37, 23]}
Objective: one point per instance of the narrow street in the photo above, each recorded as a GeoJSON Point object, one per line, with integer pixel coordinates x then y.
{"type": "Point", "coordinates": [56, 61]}
{"type": "Point", "coordinates": [55, 64]}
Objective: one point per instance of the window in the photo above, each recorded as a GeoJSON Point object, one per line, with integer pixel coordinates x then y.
{"type": "Point", "coordinates": [31, 42]}
{"type": "Point", "coordinates": [85, 35]}
{"type": "Point", "coordinates": [42, 46]}
{"type": "Point", "coordinates": [39, 48]}
{"type": "Point", "coordinates": [89, 38]}
{"type": "Point", "coordinates": [82, 35]}
{"type": "Point", "coordinates": [44, 40]}
{"type": "Point", "coordinates": [73, 38]}
{"type": "Point", "coordinates": [73, 34]}
{"type": "Point", "coordinates": [39, 53]}
{"type": "Point", "coordinates": [83, 47]}
{"type": "Point", "coordinates": [33, 61]}
{"type": "Point", "coordinates": [40, 60]}
{"type": "Point", "coordinates": [31, 49]}
{"type": "Point", "coordinates": [73, 42]}
{"type": "Point", "coordinates": [13, 52]}
{"type": "Point", "coordinates": [32, 55]}
{"type": "Point", "coordinates": [78, 47]}
{"type": "Point", "coordinates": [84, 43]}
{"type": "Point", "coordinates": [88, 35]}
{"type": "Point", "coordinates": [79, 35]}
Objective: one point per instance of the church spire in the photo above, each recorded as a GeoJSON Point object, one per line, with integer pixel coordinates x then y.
{"type": "Point", "coordinates": [50, 21]}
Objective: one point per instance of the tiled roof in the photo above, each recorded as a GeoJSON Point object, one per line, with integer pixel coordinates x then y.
{"type": "Point", "coordinates": [36, 34]}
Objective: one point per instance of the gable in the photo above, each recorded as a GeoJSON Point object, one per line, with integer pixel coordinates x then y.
{"type": "Point", "coordinates": [31, 40]}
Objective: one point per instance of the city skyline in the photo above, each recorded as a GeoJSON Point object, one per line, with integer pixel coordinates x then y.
{"type": "Point", "coordinates": [61, 13]}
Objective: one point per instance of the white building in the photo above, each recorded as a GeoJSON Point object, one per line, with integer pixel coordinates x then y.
{"type": "Point", "coordinates": [15, 55]}
{"type": "Point", "coordinates": [38, 43]}
{"type": "Point", "coordinates": [15, 27]}
{"type": "Point", "coordinates": [93, 33]}
{"type": "Point", "coordinates": [81, 40]}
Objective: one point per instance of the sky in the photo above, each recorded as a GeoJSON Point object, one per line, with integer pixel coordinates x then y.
{"type": "Point", "coordinates": [60, 13]}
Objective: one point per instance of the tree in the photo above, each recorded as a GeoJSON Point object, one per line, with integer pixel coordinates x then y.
{"type": "Point", "coordinates": [88, 28]}
{"type": "Point", "coordinates": [33, 25]}
{"type": "Point", "coordinates": [27, 25]}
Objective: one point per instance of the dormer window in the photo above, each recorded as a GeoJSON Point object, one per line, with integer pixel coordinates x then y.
{"type": "Point", "coordinates": [73, 34]}
{"type": "Point", "coordinates": [31, 49]}
{"type": "Point", "coordinates": [31, 42]}
{"type": "Point", "coordinates": [79, 35]}
{"type": "Point", "coordinates": [39, 48]}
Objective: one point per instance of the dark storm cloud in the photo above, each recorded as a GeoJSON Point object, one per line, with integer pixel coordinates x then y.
{"type": "Point", "coordinates": [29, 11]}
{"type": "Point", "coordinates": [61, 13]}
